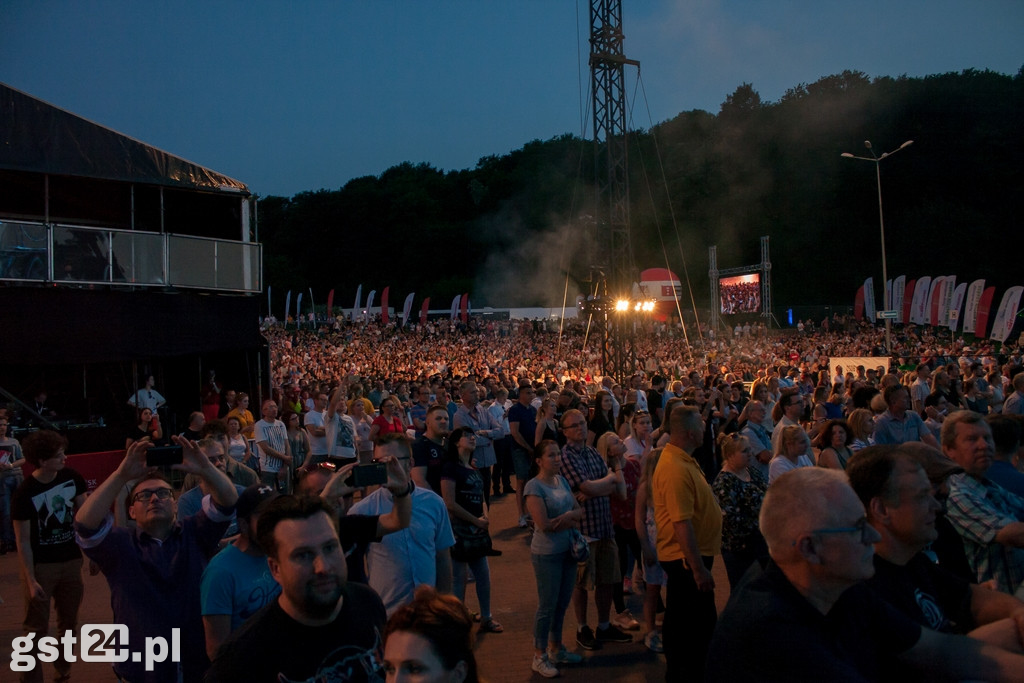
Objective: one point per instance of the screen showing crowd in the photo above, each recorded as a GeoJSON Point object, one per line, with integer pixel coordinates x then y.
{"type": "Point", "coordinates": [740, 294]}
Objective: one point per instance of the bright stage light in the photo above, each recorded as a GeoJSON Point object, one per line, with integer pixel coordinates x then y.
{"type": "Point", "coordinates": [622, 305]}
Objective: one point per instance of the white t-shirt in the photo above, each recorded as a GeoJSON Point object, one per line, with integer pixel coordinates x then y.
{"type": "Point", "coordinates": [276, 436]}
{"type": "Point", "coordinates": [317, 444]}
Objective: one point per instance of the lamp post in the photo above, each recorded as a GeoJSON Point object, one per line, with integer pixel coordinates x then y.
{"type": "Point", "coordinates": [881, 226]}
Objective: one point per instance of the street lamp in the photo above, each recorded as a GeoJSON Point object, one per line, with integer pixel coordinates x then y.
{"type": "Point", "coordinates": [881, 225]}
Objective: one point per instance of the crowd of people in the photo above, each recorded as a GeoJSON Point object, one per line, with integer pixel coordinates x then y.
{"type": "Point", "coordinates": [870, 519]}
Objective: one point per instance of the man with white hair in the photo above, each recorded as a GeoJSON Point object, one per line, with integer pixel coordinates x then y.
{"type": "Point", "coordinates": [809, 616]}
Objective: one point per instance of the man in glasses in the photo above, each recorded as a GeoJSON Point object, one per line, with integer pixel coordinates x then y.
{"type": "Point", "coordinates": [809, 615]}
{"type": "Point", "coordinates": [154, 570]}
{"type": "Point", "coordinates": [593, 482]}
{"type": "Point", "coordinates": [901, 506]}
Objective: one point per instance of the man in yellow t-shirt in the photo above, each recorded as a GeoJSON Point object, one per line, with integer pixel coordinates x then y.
{"type": "Point", "coordinates": [689, 536]}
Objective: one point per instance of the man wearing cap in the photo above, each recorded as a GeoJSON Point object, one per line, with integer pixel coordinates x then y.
{"type": "Point", "coordinates": [898, 498]}
{"type": "Point", "coordinates": [237, 583]}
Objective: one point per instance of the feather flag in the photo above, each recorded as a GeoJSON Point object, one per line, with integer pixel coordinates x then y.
{"type": "Point", "coordinates": [423, 311]}
{"type": "Point", "coordinates": [356, 314]}
{"type": "Point", "coordinates": [971, 307]}
{"type": "Point", "coordinates": [407, 309]}
{"type": "Point", "coordinates": [369, 304]}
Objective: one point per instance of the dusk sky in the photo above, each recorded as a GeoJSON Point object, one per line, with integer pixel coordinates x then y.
{"type": "Point", "coordinates": [293, 96]}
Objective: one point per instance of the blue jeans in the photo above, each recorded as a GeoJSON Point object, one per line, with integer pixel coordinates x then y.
{"type": "Point", "coordinates": [482, 574]}
{"type": "Point", "coordinates": [8, 484]}
{"type": "Point", "coordinates": [556, 580]}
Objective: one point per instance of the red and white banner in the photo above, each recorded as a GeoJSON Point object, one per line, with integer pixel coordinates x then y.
{"type": "Point", "coordinates": [919, 308]}
{"type": "Point", "coordinates": [407, 309]}
{"type": "Point", "coordinates": [1006, 315]}
{"type": "Point", "coordinates": [899, 286]}
{"type": "Point", "coordinates": [908, 300]}
{"type": "Point", "coordinates": [858, 304]}
{"type": "Point", "coordinates": [869, 299]}
{"type": "Point", "coordinates": [330, 303]}
{"type": "Point", "coordinates": [384, 305]}
{"type": "Point", "coordinates": [423, 311]}
{"type": "Point", "coordinates": [955, 305]}
{"type": "Point", "coordinates": [973, 298]}
{"type": "Point", "coordinates": [464, 308]}
{"type": "Point", "coordinates": [934, 294]}
{"type": "Point", "coordinates": [984, 308]}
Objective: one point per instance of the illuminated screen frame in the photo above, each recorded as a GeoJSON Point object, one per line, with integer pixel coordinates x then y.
{"type": "Point", "coordinates": [727, 285]}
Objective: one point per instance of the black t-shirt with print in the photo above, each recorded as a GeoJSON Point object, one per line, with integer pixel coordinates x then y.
{"type": "Point", "coordinates": [50, 508]}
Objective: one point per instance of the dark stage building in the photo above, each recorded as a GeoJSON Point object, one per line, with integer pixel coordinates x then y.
{"type": "Point", "coordinates": [118, 261]}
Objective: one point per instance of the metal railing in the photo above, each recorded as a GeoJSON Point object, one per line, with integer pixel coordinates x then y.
{"type": "Point", "coordinates": [70, 254]}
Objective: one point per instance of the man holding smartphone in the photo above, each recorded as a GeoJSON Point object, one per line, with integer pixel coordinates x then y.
{"type": "Point", "coordinates": [154, 570]}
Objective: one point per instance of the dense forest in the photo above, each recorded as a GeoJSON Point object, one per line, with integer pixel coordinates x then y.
{"type": "Point", "coordinates": [510, 230]}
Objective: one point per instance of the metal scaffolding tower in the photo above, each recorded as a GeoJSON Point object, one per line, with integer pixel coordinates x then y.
{"type": "Point", "coordinates": [607, 85]}
{"type": "Point", "coordinates": [611, 239]}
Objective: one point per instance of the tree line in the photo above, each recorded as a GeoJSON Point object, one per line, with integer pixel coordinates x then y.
{"type": "Point", "coordinates": [514, 229]}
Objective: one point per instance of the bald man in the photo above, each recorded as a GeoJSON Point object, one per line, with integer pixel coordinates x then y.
{"type": "Point", "coordinates": [809, 616]}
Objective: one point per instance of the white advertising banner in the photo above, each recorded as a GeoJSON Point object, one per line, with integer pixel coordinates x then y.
{"type": "Point", "coordinates": [869, 300]}
{"type": "Point", "coordinates": [919, 306]}
{"type": "Point", "coordinates": [945, 298]}
{"type": "Point", "coordinates": [973, 298]}
{"type": "Point", "coordinates": [899, 288]}
{"type": "Point", "coordinates": [1006, 314]}
{"type": "Point", "coordinates": [956, 304]}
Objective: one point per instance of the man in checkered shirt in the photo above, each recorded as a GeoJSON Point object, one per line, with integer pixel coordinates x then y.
{"type": "Point", "coordinates": [989, 519]}
{"type": "Point", "coordinates": [593, 481]}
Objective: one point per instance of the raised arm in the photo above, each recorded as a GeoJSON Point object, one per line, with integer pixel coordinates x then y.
{"type": "Point", "coordinates": [96, 506]}
{"type": "Point", "coordinates": [222, 491]}
{"type": "Point", "coordinates": [401, 492]}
